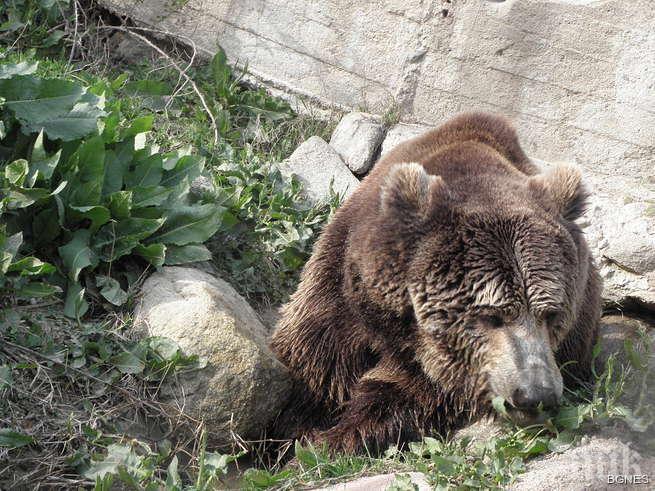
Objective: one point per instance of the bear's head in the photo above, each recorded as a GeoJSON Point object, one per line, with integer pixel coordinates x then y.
{"type": "Point", "coordinates": [494, 269]}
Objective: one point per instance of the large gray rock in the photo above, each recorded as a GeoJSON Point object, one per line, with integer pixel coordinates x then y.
{"type": "Point", "coordinates": [356, 139]}
{"type": "Point", "coordinates": [318, 166]}
{"type": "Point", "coordinates": [243, 385]}
{"type": "Point", "coordinates": [595, 464]}
{"type": "Point", "coordinates": [621, 233]}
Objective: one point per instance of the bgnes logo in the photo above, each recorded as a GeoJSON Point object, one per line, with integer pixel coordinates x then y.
{"type": "Point", "coordinates": [628, 479]}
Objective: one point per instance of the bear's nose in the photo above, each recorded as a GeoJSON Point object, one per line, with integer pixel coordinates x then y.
{"type": "Point", "coordinates": [530, 396]}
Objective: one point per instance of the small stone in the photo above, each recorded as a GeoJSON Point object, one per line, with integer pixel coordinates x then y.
{"type": "Point", "coordinates": [356, 139]}
{"type": "Point", "coordinates": [317, 166]}
{"type": "Point", "coordinates": [382, 481]}
{"type": "Point", "coordinates": [480, 431]}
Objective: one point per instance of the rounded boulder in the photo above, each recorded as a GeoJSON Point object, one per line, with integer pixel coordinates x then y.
{"type": "Point", "coordinates": [242, 386]}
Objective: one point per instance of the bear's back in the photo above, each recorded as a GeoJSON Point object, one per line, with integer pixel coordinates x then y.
{"type": "Point", "coordinates": [489, 131]}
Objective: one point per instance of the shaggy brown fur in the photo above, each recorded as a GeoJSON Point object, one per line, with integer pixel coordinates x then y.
{"type": "Point", "coordinates": [450, 246]}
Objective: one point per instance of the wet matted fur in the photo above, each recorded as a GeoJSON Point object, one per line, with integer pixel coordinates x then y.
{"type": "Point", "coordinates": [454, 273]}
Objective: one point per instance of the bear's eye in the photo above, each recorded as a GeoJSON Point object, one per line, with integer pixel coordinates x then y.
{"type": "Point", "coordinates": [492, 320]}
{"type": "Point", "coordinates": [550, 317]}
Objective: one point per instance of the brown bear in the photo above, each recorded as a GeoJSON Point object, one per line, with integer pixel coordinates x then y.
{"type": "Point", "coordinates": [454, 274]}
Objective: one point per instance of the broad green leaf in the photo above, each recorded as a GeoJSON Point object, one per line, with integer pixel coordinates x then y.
{"type": "Point", "coordinates": [8, 249]}
{"type": "Point", "coordinates": [63, 109]}
{"type": "Point", "coordinates": [47, 224]}
{"type": "Point", "coordinates": [173, 481]}
{"type": "Point", "coordinates": [37, 290]}
{"type": "Point", "coordinates": [13, 439]}
{"type": "Point", "coordinates": [13, 24]}
{"type": "Point", "coordinates": [40, 164]}
{"type": "Point", "coordinates": [164, 347]}
{"type": "Point", "coordinates": [116, 163]}
{"type": "Point", "coordinates": [128, 362]}
{"type": "Point", "coordinates": [76, 254]}
{"type": "Point", "coordinates": [172, 158]}
{"type": "Point", "coordinates": [190, 253]}
{"type": "Point", "coordinates": [116, 239]}
{"type": "Point", "coordinates": [445, 465]}
{"type": "Point", "coordinates": [189, 224]}
{"type": "Point", "coordinates": [119, 81]}
{"type": "Point", "coordinates": [307, 457]}
{"type": "Point", "coordinates": [432, 445]}
{"type": "Point", "coordinates": [179, 195]}
{"type": "Point", "coordinates": [139, 125]}
{"type": "Point", "coordinates": [498, 404]}
{"type": "Point", "coordinates": [8, 70]}
{"type": "Point", "coordinates": [220, 69]}
{"type": "Point", "coordinates": [75, 306]}
{"type": "Point", "coordinates": [19, 197]}
{"type": "Point", "coordinates": [120, 204]}
{"type": "Point", "coordinates": [118, 456]}
{"type": "Point", "coordinates": [110, 127]}
{"type": "Point", "coordinates": [154, 253]}
{"type": "Point", "coordinates": [189, 166]}
{"type": "Point", "coordinates": [263, 479]}
{"type": "Point", "coordinates": [217, 463]}
{"type": "Point", "coordinates": [147, 172]}
{"type": "Point", "coordinates": [148, 87]}
{"type": "Point", "coordinates": [16, 172]}
{"type": "Point", "coordinates": [569, 417]}
{"type": "Point", "coordinates": [31, 266]}
{"type": "Point", "coordinates": [54, 38]}
{"type": "Point", "coordinates": [86, 183]}
{"type": "Point", "coordinates": [536, 447]}
{"type": "Point", "coordinates": [111, 290]}
{"type": "Point", "coordinates": [149, 212]}
{"type": "Point", "coordinates": [149, 196]}
{"type": "Point", "coordinates": [98, 215]}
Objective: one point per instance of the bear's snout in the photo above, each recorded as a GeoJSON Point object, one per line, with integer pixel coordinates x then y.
{"type": "Point", "coordinates": [534, 393]}
{"type": "Point", "coordinates": [522, 367]}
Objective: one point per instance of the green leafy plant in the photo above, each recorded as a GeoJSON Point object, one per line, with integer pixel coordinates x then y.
{"type": "Point", "coordinates": [35, 22]}
{"type": "Point", "coordinates": [88, 192]}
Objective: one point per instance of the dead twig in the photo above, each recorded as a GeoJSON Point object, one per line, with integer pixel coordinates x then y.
{"type": "Point", "coordinates": [183, 74]}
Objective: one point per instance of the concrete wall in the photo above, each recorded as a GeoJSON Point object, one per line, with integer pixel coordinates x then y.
{"type": "Point", "coordinates": [576, 76]}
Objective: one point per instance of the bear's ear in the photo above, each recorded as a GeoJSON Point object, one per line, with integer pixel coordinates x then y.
{"type": "Point", "coordinates": [410, 189]}
{"type": "Point", "coordinates": [562, 189]}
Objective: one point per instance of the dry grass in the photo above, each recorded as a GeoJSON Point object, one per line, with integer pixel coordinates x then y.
{"type": "Point", "coordinates": [73, 403]}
